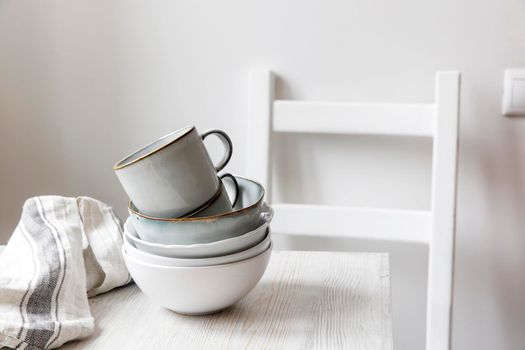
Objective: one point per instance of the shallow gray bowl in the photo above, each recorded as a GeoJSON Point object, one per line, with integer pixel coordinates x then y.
{"type": "Point", "coordinates": [198, 251]}
{"type": "Point", "coordinates": [248, 214]}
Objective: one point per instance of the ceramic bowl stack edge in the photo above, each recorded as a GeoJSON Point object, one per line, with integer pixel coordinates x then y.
{"type": "Point", "coordinates": [200, 250]}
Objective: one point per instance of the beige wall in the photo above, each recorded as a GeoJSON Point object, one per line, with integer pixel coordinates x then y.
{"type": "Point", "coordinates": [84, 83]}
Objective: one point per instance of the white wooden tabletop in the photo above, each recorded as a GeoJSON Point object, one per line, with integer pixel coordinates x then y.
{"type": "Point", "coordinates": [305, 300]}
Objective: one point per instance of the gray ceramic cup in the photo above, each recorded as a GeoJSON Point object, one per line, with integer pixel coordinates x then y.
{"type": "Point", "coordinates": [173, 176]}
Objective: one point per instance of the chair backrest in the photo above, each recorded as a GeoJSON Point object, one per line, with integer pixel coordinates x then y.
{"type": "Point", "coordinates": [435, 227]}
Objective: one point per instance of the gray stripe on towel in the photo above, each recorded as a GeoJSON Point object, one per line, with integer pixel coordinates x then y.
{"type": "Point", "coordinates": [63, 277]}
{"type": "Point", "coordinates": [39, 303]}
{"type": "Point", "coordinates": [26, 293]}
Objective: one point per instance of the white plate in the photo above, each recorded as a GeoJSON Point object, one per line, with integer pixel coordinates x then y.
{"type": "Point", "coordinates": [219, 260]}
{"type": "Point", "coordinates": [205, 250]}
{"type": "Point", "coordinates": [197, 290]}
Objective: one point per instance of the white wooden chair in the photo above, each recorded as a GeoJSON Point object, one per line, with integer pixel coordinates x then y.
{"type": "Point", "coordinates": [436, 227]}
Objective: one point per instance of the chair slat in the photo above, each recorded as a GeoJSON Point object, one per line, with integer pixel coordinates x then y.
{"type": "Point", "coordinates": [444, 182]}
{"type": "Point", "coordinates": [258, 141]}
{"type": "Point", "coordinates": [375, 224]}
{"type": "Point", "coordinates": [354, 118]}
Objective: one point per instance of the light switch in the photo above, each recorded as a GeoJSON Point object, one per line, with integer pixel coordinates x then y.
{"type": "Point", "coordinates": [514, 92]}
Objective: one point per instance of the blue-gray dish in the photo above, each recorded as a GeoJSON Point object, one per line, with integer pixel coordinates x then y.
{"type": "Point", "coordinates": [248, 214]}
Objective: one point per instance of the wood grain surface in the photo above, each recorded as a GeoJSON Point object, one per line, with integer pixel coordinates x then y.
{"type": "Point", "coordinates": [306, 300]}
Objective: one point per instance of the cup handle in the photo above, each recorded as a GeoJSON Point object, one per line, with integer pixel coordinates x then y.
{"type": "Point", "coordinates": [228, 146]}
{"type": "Point", "coordinates": [235, 185]}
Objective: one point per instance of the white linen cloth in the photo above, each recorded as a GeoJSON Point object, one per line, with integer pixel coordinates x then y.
{"type": "Point", "coordinates": [62, 251]}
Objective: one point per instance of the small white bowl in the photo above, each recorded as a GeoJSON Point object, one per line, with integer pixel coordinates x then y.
{"type": "Point", "coordinates": [197, 290]}
{"type": "Point", "coordinates": [203, 250]}
{"type": "Point", "coordinates": [218, 260]}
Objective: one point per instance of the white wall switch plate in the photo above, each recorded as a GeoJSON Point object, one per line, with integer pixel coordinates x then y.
{"type": "Point", "coordinates": [514, 92]}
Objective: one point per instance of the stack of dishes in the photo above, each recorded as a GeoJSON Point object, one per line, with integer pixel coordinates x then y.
{"type": "Point", "coordinates": [192, 258]}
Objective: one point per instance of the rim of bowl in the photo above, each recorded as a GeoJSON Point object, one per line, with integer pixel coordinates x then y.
{"type": "Point", "coordinates": [131, 207]}
{"type": "Point", "coordinates": [119, 165]}
{"type": "Point", "coordinates": [209, 267]}
{"type": "Point", "coordinates": [267, 238]}
{"type": "Point", "coordinates": [265, 224]}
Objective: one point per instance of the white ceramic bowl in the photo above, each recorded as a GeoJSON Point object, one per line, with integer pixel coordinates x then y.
{"type": "Point", "coordinates": [197, 290]}
{"type": "Point", "coordinates": [204, 250]}
{"type": "Point", "coordinates": [218, 260]}
{"type": "Point", "coordinates": [194, 230]}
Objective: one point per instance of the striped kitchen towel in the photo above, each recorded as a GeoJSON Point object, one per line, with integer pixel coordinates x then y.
{"type": "Point", "coordinates": [62, 251]}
